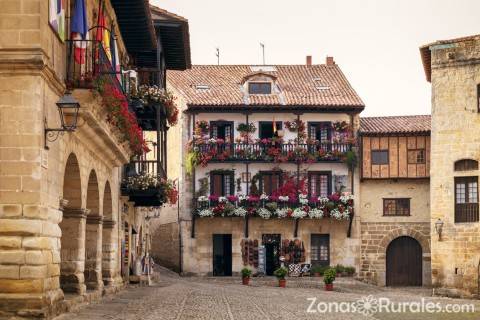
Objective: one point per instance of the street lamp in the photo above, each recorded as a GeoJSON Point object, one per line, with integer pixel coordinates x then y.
{"type": "Point", "coordinates": [439, 228]}
{"type": "Point", "coordinates": [68, 108]}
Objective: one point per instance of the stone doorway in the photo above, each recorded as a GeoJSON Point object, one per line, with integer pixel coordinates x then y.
{"type": "Point", "coordinates": [404, 262]}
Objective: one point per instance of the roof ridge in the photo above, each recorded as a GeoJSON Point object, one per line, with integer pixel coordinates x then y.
{"type": "Point", "coordinates": [396, 116]}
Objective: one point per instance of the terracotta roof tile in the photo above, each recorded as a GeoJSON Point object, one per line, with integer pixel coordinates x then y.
{"type": "Point", "coordinates": [395, 125]}
{"type": "Point", "coordinates": [295, 83]}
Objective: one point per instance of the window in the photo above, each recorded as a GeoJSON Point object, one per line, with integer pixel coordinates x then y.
{"type": "Point", "coordinates": [259, 87]}
{"type": "Point", "coordinates": [319, 184]}
{"type": "Point", "coordinates": [416, 156]}
{"type": "Point", "coordinates": [222, 183]}
{"type": "Point", "coordinates": [270, 181]}
{"type": "Point", "coordinates": [466, 165]}
{"type": "Point", "coordinates": [221, 130]}
{"type": "Point", "coordinates": [478, 97]}
{"type": "Point", "coordinates": [321, 131]}
{"type": "Point", "coordinates": [267, 130]}
{"type": "Point", "coordinates": [320, 249]}
{"type": "Point", "coordinates": [396, 207]}
{"type": "Point", "coordinates": [466, 199]}
{"type": "Point", "coordinates": [379, 156]}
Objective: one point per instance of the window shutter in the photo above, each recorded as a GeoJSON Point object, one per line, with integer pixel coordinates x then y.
{"type": "Point", "coordinates": [214, 131]}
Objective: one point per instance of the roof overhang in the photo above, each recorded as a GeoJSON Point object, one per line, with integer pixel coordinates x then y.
{"type": "Point", "coordinates": [426, 56]}
{"type": "Point", "coordinates": [175, 38]}
{"type": "Point", "coordinates": [136, 26]}
{"type": "Point", "coordinates": [275, 108]}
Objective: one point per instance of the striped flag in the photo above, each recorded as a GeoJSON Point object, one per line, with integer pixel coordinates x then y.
{"type": "Point", "coordinates": [79, 29]}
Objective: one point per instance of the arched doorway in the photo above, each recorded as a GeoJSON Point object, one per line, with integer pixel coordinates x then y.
{"type": "Point", "coordinates": [73, 230]}
{"type": "Point", "coordinates": [404, 262]}
{"type": "Point", "coordinates": [93, 236]}
{"type": "Point", "coordinates": [109, 239]}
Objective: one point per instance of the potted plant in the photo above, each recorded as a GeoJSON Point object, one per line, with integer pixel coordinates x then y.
{"type": "Point", "coordinates": [246, 273]}
{"type": "Point", "coordinates": [328, 278]}
{"type": "Point", "coordinates": [317, 271]}
{"type": "Point", "coordinates": [350, 271]}
{"type": "Point", "coordinates": [340, 269]}
{"type": "Point", "coordinates": [280, 273]}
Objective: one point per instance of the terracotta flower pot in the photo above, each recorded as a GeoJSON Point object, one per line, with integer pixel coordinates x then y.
{"type": "Point", "coordinates": [282, 283]}
{"type": "Point", "coordinates": [328, 286]}
{"type": "Point", "coordinates": [246, 281]}
{"type": "Point", "coordinates": [316, 274]}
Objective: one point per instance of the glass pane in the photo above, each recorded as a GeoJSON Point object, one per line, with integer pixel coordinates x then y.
{"type": "Point", "coordinates": [323, 185]}
{"type": "Point", "coordinates": [472, 192]}
{"type": "Point", "coordinates": [380, 157]}
{"type": "Point", "coordinates": [389, 207]}
{"type": "Point", "coordinates": [460, 192]}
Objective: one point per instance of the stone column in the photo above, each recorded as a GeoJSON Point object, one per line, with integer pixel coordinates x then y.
{"type": "Point", "coordinates": [73, 250]}
{"type": "Point", "coordinates": [93, 253]}
{"type": "Point", "coordinates": [109, 252]}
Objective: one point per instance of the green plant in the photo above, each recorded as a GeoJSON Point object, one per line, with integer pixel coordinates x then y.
{"type": "Point", "coordinates": [319, 269]}
{"type": "Point", "coordinates": [247, 128]}
{"type": "Point", "coordinates": [191, 161]}
{"type": "Point", "coordinates": [280, 273]}
{"type": "Point", "coordinates": [339, 268]}
{"type": "Point", "coordinates": [329, 275]}
{"type": "Point", "coordinates": [350, 270]}
{"type": "Point", "coordinates": [351, 159]}
{"type": "Point", "coordinates": [246, 272]}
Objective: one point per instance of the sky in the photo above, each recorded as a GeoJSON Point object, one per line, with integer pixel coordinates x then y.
{"type": "Point", "coordinates": [375, 42]}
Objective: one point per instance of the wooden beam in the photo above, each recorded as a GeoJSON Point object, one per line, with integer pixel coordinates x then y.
{"type": "Point", "coordinates": [245, 227]}
{"type": "Point", "coordinates": [295, 231]}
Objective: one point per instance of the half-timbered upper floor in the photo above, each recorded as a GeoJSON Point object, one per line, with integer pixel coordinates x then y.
{"type": "Point", "coordinates": [395, 147]}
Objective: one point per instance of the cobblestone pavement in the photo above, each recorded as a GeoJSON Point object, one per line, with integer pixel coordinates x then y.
{"type": "Point", "coordinates": [176, 298]}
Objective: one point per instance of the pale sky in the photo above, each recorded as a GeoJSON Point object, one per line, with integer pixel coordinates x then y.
{"type": "Point", "coordinates": [375, 42]}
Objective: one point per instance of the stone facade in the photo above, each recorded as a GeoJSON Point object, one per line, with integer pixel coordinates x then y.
{"type": "Point", "coordinates": [60, 209]}
{"type": "Point", "coordinates": [454, 68]}
{"type": "Point", "coordinates": [378, 230]}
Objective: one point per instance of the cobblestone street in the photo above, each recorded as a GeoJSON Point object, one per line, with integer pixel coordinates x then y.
{"type": "Point", "coordinates": [173, 297]}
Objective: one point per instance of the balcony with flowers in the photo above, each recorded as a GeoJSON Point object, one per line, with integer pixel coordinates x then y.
{"type": "Point", "coordinates": [149, 190]}
{"type": "Point", "coordinates": [204, 149]}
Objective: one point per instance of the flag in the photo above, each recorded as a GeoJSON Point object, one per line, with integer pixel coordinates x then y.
{"type": "Point", "coordinates": [102, 32]}
{"type": "Point", "coordinates": [115, 57]}
{"type": "Point", "coordinates": [79, 29]}
{"type": "Point", "coordinates": [274, 126]}
{"type": "Point", "coordinates": [57, 17]}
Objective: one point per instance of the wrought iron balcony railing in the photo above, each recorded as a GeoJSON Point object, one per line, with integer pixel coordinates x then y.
{"type": "Point", "coordinates": [279, 152]}
{"type": "Point", "coordinates": [87, 62]}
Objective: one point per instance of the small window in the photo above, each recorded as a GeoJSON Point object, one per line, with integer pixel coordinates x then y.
{"type": "Point", "coordinates": [380, 157]}
{"type": "Point", "coordinates": [466, 199]}
{"type": "Point", "coordinates": [396, 207]}
{"type": "Point", "coordinates": [466, 165]}
{"type": "Point", "coordinates": [259, 88]}
{"type": "Point", "coordinates": [319, 184]}
{"type": "Point", "coordinates": [478, 97]}
{"type": "Point", "coordinates": [270, 181]}
{"type": "Point", "coordinates": [221, 183]}
{"type": "Point", "coordinates": [416, 156]}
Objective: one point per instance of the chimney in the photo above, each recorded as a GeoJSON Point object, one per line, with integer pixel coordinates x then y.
{"type": "Point", "coordinates": [329, 61]}
{"type": "Point", "coordinates": [309, 60]}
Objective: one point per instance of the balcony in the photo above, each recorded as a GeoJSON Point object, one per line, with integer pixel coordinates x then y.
{"type": "Point", "coordinates": [218, 151]}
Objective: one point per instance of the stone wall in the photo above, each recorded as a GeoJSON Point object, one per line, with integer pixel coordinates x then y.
{"type": "Point", "coordinates": [455, 130]}
{"type": "Point", "coordinates": [377, 230]}
{"type": "Point", "coordinates": [166, 245]}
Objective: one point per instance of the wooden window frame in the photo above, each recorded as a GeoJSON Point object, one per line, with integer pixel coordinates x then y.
{"type": "Point", "coordinates": [317, 173]}
{"type": "Point", "coordinates": [269, 173]}
{"type": "Point", "coordinates": [260, 123]}
{"type": "Point", "coordinates": [315, 124]}
{"type": "Point", "coordinates": [468, 211]}
{"type": "Point", "coordinates": [478, 97]}
{"type": "Point", "coordinates": [223, 123]}
{"type": "Point", "coordinates": [462, 165]}
{"type": "Point", "coordinates": [396, 214]}
{"type": "Point", "coordinates": [380, 150]}
{"type": "Point", "coordinates": [416, 150]}
{"type": "Point", "coordinates": [223, 173]}
{"type": "Point", "coordinates": [260, 83]}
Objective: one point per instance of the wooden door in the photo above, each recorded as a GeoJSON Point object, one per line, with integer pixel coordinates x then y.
{"type": "Point", "coordinates": [404, 262]}
{"type": "Point", "coordinates": [222, 254]}
{"type": "Point", "coordinates": [320, 249]}
{"type": "Point", "coordinates": [272, 243]}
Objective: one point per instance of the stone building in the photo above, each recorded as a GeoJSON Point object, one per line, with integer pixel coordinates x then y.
{"type": "Point", "coordinates": [239, 137]}
{"type": "Point", "coordinates": [67, 228]}
{"type": "Point", "coordinates": [453, 68]}
{"type": "Point", "coordinates": [394, 208]}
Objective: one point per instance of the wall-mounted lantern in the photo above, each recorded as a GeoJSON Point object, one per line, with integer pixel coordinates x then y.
{"type": "Point", "coordinates": [68, 108]}
{"type": "Point", "coordinates": [439, 228]}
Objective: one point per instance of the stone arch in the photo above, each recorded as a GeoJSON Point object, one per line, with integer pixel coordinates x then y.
{"type": "Point", "coordinates": [93, 237]}
{"type": "Point", "coordinates": [404, 262]}
{"type": "Point", "coordinates": [109, 238]}
{"type": "Point", "coordinates": [465, 165]}
{"type": "Point", "coordinates": [423, 240]}
{"type": "Point", "coordinates": [73, 230]}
